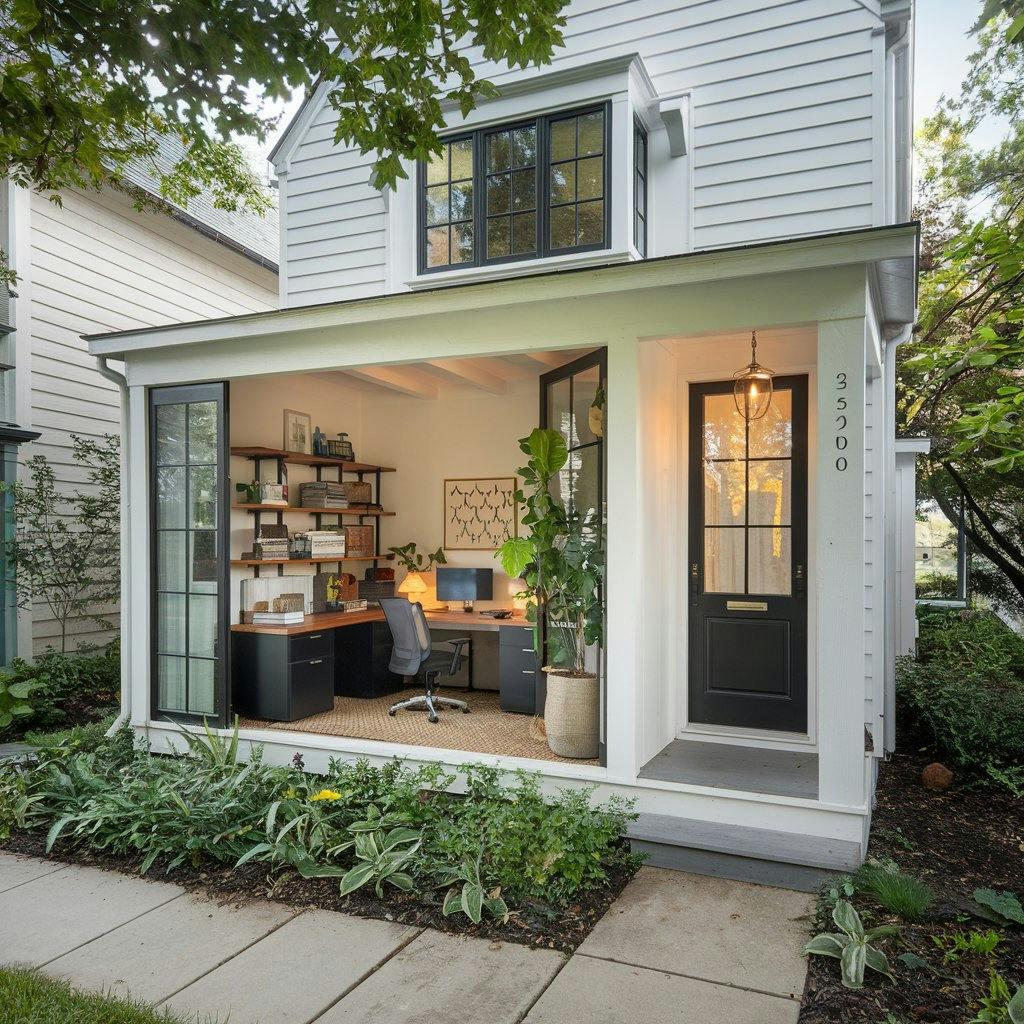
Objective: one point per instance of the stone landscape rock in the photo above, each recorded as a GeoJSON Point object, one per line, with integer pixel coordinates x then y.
{"type": "Point", "coordinates": [937, 777]}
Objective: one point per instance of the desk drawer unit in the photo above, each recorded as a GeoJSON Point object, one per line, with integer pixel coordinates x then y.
{"type": "Point", "coordinates": [283, 678]}
{"type": "Point", "coordinates": [518, 670]}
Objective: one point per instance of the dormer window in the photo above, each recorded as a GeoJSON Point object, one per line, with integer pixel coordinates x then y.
{"type": "Point", "coordinates": [516, 192]}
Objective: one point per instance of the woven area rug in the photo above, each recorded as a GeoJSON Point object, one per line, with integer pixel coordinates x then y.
{"type": "Point", "coordinates": [485, 730]}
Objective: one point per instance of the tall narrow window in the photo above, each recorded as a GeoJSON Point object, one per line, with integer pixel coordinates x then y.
{"type": "Point", "coordinates": [512, 192]}
{"type": "Point", "coordinates": [640, 188]}
{"type": "Point", "coordinates": [449, 206]}
{"type": "Point", "coordinates": [189, 524]}
{"type": "Point", "coordinates": [576, 147]}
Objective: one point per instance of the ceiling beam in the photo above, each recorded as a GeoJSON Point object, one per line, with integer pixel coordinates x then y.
{"type": "Point", "coordinates": [550, 359]}
{"type": "Point", "coordinates": [399, 379]}
{"type": "Point", "coordinates": [470, 371]}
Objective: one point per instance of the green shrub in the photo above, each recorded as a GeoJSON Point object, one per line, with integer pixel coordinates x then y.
{"type": "Point", "coordinates": [898, 892]}
{"type": "Point", "coordinates": [980, 641]}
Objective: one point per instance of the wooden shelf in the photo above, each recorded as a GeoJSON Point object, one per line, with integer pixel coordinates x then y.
{"type": "Point", "coordinates": [355, 510]}
{"type": "Point", "coordinates": [298, 459]}
{"type": "Point", "coordinates": [310, 561]}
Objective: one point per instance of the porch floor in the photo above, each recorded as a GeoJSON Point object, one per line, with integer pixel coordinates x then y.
{"type": "Point", "coordinates": [731, 766]}
{"type": "Point", "coordinates": [485, 730]}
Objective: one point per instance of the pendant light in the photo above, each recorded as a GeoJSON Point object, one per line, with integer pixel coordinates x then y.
{"type": "Point", "coordinates": [752, 387]}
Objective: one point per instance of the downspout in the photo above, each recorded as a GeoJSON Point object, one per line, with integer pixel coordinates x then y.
{"type": "Point", "coordinates": [126, 608]}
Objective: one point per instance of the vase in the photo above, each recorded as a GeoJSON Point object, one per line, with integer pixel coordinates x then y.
{"type": "Point", "coordinates": [571, 713]}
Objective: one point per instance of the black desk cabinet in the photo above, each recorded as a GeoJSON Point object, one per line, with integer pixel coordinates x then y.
{"type": "Point", "coordinates": [283, 678]}
{"type": "Point", "coordinates": [517, 667]}
{"type": "Point", "coordinates": [361, 656]}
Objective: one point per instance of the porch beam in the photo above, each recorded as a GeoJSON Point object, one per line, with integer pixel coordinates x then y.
{"type": "Point", "coordinates": [839, 560]}
{"type": "Point", "coordinates": [403, 381]}
{"type": "Point", "coordinates": [550, 360]}
{"type": "Point", "coordinates": [469, 371]}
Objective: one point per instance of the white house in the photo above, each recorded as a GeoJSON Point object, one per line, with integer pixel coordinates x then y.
{"type": "Point", "coordinates": [681, 176]}
{"type": "Point", "coordinates": [96, 263]}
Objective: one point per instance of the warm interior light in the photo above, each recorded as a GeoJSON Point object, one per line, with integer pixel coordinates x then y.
{"type": "Point", "coordinates": [413, 585]}
{"type": "Point", "coordinates": [752, 390]}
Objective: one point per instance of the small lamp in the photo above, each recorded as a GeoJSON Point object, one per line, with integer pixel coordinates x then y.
{"type": "Point", "coordinates": [413, 586]}
{"type": "Point", "coordinates": [752, 386]}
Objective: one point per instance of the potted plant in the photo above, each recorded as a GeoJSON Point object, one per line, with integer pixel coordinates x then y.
{"type": "Point", "coordinates": [562, 562]}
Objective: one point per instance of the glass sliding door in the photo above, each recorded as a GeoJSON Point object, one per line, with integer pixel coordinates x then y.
{"type": "Point", "coordinates": [572, 401]}
{"type": "Point", "coordinates": [189, 523]}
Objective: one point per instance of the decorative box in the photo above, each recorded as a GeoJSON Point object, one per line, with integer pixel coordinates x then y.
{"type": "Point", "coordinates": [359, 541]}
{"type": "Point", "coordinates": [358, 492]}
{"type": "Point", "coordinates": [379, 575]}
{"type": "Point", "coordinates": [372, 590]}
{"type": "Point", "coordinates": [330, 589]}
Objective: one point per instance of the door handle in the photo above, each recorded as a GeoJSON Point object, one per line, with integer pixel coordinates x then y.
{"type": "Point", "coordinates": [799, 581]}
{"type": "Point", "coordinates": [694, 578]}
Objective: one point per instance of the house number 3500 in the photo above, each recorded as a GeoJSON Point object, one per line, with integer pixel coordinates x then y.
{"type": "Point", "coordinates": [841, 439]}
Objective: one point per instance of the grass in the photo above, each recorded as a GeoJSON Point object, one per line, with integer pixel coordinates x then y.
{"type": "Point", "coordinates": [29, 998]}
{"type": "Point", "coordinates": [898, 892]}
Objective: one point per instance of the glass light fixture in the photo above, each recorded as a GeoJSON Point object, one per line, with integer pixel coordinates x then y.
{"type": "Point", "coordinates": [752, 387]}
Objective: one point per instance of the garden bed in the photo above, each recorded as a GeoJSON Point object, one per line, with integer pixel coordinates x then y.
{"type": "Point", "coordinates": [957, 841]}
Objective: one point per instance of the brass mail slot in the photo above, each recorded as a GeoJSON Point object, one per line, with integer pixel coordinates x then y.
{"type": "Point", "coordinates": [746, 606]}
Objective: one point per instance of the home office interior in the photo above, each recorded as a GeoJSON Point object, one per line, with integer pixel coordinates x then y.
{"type": "Point", "coordinates": [422, 458]}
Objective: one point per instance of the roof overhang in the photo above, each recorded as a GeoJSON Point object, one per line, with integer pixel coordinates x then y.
{"type": "Point", "coordinates": [873, 246]}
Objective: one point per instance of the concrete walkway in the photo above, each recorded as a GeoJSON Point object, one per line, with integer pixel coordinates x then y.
{"type": "Point", "coordinates": [674, 948]}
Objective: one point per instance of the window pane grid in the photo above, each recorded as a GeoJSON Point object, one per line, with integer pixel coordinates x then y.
{"type": "Point", "coordinates": [576, 186]}
{"type": "Point", "coordinates": [448, 205]}
{"type": "Point", "coordinates": [511, 192]}
{"type": "Point", "coordinates": [640, 189]}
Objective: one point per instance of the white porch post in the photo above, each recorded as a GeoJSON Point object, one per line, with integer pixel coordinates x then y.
{"type": "Point", "coordinates": [139, 542]}
{"type": "Point", "coordinates": [840, 560]}
{"type": "Point", "coordinates": [622, 564]}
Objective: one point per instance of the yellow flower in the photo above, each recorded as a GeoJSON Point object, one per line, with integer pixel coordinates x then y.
{"type": "Point", "coordinates": [325, 794]}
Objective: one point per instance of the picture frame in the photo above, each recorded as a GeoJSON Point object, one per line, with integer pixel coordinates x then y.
{"type": "Point", "coordinates": [480, 513]}
{"type": "Point", "coordinates": [298, 432]}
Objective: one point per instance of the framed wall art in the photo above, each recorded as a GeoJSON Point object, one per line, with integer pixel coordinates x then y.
{"type": "Point", "coordinates": [480, 514]}
{"type": "Point", "coordinates": [298, 433]}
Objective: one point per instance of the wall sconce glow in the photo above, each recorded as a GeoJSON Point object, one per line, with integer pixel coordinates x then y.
{"type": "Point", "coordinates": [752, 390]}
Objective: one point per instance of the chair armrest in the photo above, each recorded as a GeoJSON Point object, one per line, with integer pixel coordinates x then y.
{"type": "Point", "coordinates": [457, 646]}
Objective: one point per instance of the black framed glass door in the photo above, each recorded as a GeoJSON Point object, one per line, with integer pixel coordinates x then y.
{"type": "Point", "coordinates": [573, 401]}
{"type": "Point", "coordinates": [189, 568]}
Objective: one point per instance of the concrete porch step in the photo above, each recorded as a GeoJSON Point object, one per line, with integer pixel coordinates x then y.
{"type": "Point", "coordinates": [741, 852]}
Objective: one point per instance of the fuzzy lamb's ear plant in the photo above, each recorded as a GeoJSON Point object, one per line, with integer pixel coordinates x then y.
{"type": "Point", "coordinates": [473, 899]}
{"type": "Point", "coordinates": [851, 946]}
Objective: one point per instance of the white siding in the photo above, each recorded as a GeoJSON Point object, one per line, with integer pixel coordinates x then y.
{"type": "Point", "coordinates": [99, 265]}
{"type": "Point", "coordinates": [783, 132]}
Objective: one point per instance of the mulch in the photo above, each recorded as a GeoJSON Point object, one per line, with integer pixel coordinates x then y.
{"type": "Point", "coordinates": [532, 924]}
{"type": "Point", "coordinates": [969, 837]}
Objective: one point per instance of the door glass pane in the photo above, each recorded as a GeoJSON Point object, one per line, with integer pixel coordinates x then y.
{"type": "Point", "coordinates": [724, 429]}
{"type": "Point", "coordinates": [201, 698]}
{"type": "Point", "coordinates": [585, 498]}
{"type": "Point", "coordinates": [559, 415]}
{"type": "Point", "coordinates": [170, 560]}
{"type": "Point", "coordinates": [724, 493]}
{"type": "Point", "coordinates": [170, 497]}
{"type": "Point", "coordinates": [170, 623]}
{"type": "Point", "coordinates": [723, 560]}
{"type": "Point", "coordinates": [170, 435]}
{"type": "Point", "coordinates": [770, 486]}
{"type": "Point", "coordinates": [772, 434]}
{"type": "Point", "coordinates": [584, 390]}
{"type": "Point", "coordinates": [170, 683]}
{"type": "Point", "coordinates": [202, 625]}
{"type": "Point", "coordinates": [203, 562]}
{"type": "Point", "coordinates": [203, 497]}
{"type": "Point", "coordinates": [202, 432]}
{"type": "Point", "coordinates": [770, 560]}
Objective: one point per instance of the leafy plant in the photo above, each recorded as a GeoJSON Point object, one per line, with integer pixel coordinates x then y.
{"type": "Point", "coordinates": [561, 559]}
{"type": "Point", "coordinates": [413, 561]}
{"type": "Point", "coordinates": [1003, 908]}
{"type": "Point", "coordinates": [851, 946]}
{"type": "Point", "coordinates": [15, 800]}
{"type": "Point", "coordinates": [382, 856]}
{"type": "Point", "coordinates": [472, 899]}
{"type": "Point", "coordinates": [65, 546]}
{"type": "Point", "coordinates": [14, 698]}
{"type": "Point", "coordinates": [997, 1007]}
{"type": "Point", "coordinates": [974, 943]}
{"type": "Point", "coordinates": [898, 892]}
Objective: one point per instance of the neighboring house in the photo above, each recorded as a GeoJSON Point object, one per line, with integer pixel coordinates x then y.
{"type": "Point", "coordinates": [680, 177]}
{"type": "Point", "coordinates": [95, 263]}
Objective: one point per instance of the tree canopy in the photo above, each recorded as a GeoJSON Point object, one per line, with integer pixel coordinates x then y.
{"type": "Point", "coordinates": [89, 86]}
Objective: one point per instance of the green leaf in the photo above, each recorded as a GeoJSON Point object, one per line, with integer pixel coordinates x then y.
{"type": "Point", "coordinates": [878, 962]}
{"type": "Point", "coordinates": [1015, 1008]}
{"type": "Point", "coordinates": [1005, 906]}
{"type": "Point", "coordinates": [825, 945]}
{"type": "Point", "coordinates": [358, 876]}
{"type": "Point", "coordinates": [548, 450]}
{"type": "Point", "coordinates": [848, 920]}
{"type": "Point", "coordinates": [515, 555]}
{"type": "Point", "coordinates": [55, 830]}
{"type": "Point", "coordinates": [452, 902]}
{"type": "Point", "coordinates": [913, 961]}
{"type": "Point", "coordinates": [473, 901]}
{"type": "Point", "coordinates": [853, 961]}
{"type": "Point", "coordinates": [400, 880]}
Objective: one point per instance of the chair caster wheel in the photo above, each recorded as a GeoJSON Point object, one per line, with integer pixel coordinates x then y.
{"type": "Point", "coordinates": [434, 719]}
{"type": "Point", "coordinates": [465, 711]}
{"type": "Point", "coordinates": [392, 713]}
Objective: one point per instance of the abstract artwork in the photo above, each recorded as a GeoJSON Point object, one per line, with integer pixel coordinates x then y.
{"type": "Point", "coordinates": [479, 514]}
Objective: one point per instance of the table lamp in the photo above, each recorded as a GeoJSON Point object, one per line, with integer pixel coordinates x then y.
{"type": "Point", "coordinates": [412, 586]}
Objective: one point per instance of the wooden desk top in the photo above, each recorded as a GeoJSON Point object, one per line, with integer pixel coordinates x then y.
{"type": "Point", "coordinates": [337, 620]}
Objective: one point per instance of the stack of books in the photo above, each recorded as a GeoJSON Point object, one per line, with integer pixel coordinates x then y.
{"type": "Point", "coordinates": [322, 494]}
{"type": "Point", "coordinates": [278, 618]}
{"type": "Point", "coordinates": [325, 544]}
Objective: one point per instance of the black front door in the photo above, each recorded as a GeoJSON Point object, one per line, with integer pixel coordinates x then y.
{"type": "Point", "coordinates": [747, 571]}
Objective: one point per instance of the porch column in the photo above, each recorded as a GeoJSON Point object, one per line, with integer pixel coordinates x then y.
{"type": "Point", "coordinates": [839, 560]}
{"type": "Point", "coordinates": [135, 615]}
{"type": "Point", "coordinates": [623, 582]}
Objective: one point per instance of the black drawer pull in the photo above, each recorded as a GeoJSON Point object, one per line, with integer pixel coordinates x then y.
{"type": "Point", "coordinates": [528, 650]}
{"type": "Point", "coordinates": [319, 661]}
{"type": "Point", "coordinates": [528, 672]}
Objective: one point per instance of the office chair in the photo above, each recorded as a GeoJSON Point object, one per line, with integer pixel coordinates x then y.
{"type": "Point", "coordinates": [412, 654]}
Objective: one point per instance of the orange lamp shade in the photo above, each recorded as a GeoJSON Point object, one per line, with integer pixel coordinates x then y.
{"type": "Point", "coordinates": [412, 585]}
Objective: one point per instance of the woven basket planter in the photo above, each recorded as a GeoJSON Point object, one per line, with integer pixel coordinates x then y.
{"type": "Point", "coordinates": [571, 713]}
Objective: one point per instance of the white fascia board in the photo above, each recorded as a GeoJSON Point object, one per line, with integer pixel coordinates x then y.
{"type": "Point", "coordinates": [841, 249]}
{"type": "Point", "coordinates": [913, 445]}
{"type": "Point", "coordinates": [280, 156]}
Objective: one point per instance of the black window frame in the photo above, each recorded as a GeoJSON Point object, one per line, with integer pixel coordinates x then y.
{"type": "Point", "coordinates": [640, 178]}
{"type": "Point", "coordinates": [543, 250]}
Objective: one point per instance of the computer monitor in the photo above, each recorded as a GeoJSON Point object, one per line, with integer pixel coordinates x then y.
{"type": "Point", "coordinates": [465, 585]}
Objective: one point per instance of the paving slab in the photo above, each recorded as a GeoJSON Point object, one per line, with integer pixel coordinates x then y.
{"type": "Point", "coordinates": [49, 916]}
{"type": "Point", "coordinates": [167, 949]}
{"type": "Point", "coordinates": [604, 992]}
{"type": "Point", "coordinates": [452, 979]}
{"type": "Point", "coordinates": [293, 974]}
{"type": "Point", "coordinates": [714, 929]}
{"type": "Point", "coordinates": [17, 870]}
